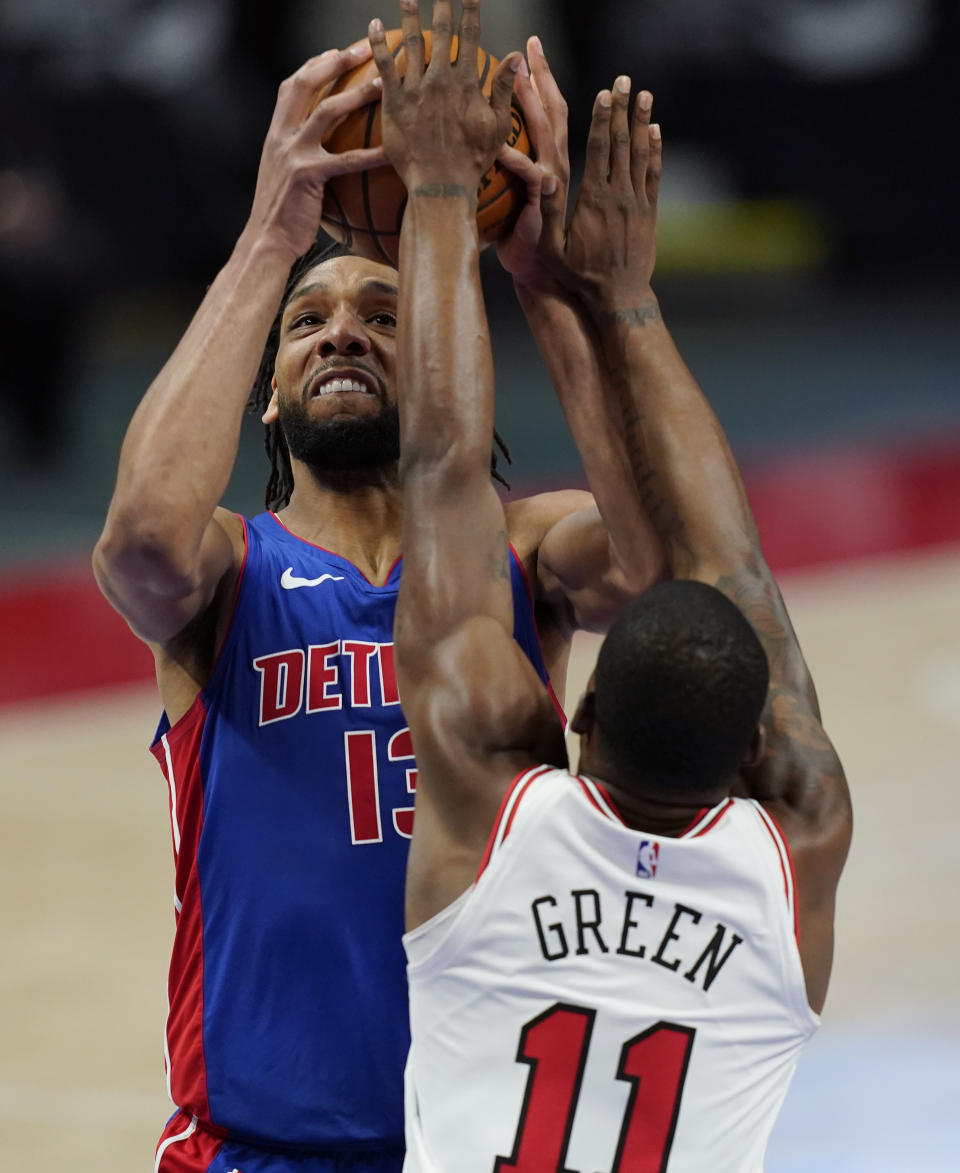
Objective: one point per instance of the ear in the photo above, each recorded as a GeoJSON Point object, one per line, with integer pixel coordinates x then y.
{"type": "Point", "coordinates": [758, 747]}
{"type": "Point", "coordinates": [585, 716]}
{"type": "Point", "coordinates": [272, 413]}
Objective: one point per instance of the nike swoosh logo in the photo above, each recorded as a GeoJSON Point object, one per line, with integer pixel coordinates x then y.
{"type": "Point", "coordinates": [290, 582]}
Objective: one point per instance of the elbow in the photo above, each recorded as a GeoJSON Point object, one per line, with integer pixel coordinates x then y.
{"type": "Point", "coordinates": [134, 550]}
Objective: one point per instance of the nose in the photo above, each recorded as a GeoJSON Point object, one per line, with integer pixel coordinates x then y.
{"type": "Point", "coordinates": [343, 333]}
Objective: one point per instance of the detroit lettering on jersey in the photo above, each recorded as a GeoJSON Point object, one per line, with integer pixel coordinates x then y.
{"type": "Point", "coordinates": [323, 676]}
{"type": "Point", "coordinates": [578, 924]}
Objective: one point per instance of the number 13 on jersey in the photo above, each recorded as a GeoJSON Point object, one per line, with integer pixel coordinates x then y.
{"type": "Point", "coordinates": [363, 784]}
{"type": "Point", "coordinates": [555, 1046]}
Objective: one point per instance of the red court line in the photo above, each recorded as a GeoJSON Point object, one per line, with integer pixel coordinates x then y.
{"type": "Point", "coordinates": [58, 635]}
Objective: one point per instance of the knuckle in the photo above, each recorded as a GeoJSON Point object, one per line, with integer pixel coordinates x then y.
{"type": "Point", "coordinates": [621, 138]}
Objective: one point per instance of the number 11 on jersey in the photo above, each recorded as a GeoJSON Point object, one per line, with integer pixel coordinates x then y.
{"type": "Point", "coordinates": [555, 1046]}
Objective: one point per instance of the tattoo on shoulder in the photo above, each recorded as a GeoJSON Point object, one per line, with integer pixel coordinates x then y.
{"type": "Point", "coordinates": [635, 318]}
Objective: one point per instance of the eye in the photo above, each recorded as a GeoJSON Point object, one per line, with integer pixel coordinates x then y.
{"type": "Point", "coordinates": [384, 318]}
{"type": "Point", "coordinates": [308, 318]}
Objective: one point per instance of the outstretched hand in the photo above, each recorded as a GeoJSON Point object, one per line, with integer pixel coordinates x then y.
{"type": "Point", "coordinates": [294, 165]}
{"type": "Point", "coordinates": [438, 128]}
{"type": "Point", "coordinates": [611, 245]}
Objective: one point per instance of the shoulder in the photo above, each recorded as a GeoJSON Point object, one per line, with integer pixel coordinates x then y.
{"type": "Point", "coordinates": [530, 519]}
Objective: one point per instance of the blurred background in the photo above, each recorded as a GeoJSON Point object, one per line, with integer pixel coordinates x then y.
{"type": "Point", "coordinates": [808, 267]}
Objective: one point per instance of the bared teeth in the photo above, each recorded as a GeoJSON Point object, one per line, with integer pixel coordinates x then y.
{"type": "Point", "coordinates": [332, 386]}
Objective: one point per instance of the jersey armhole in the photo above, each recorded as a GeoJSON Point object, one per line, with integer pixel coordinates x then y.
{"type": "Point", "coordinates": [164, 728]}
{"type": "Point", "coordinates": [507, 812]}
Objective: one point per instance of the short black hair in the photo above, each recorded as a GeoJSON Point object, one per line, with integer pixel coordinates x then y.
{"type": "Point", "coordinates": [680, 684]}
{"type": "Point", "coordinates": [280, 481]}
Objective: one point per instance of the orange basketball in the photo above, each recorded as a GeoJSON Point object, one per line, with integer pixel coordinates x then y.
{"type": "Point", "coordinates": [365, 211]}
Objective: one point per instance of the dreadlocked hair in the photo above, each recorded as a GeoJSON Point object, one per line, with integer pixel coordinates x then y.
{"type": "Point", "coordinates": [280, 481]}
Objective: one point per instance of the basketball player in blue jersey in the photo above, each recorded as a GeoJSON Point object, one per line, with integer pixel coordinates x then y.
{"type": "Point", "coordinates": [614, 970]}
{"type": "Point", "coordinates": [287, 757]}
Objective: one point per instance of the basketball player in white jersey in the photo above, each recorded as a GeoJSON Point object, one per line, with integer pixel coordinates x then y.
{"type": "Point", "coordinates": [613, 970]}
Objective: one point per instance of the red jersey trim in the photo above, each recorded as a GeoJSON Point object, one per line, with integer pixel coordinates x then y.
{"type": "Point", "coordinates": [599, 797]}
{"type": "Point", "coordinates": [178, 753]}
{"type": "Point", "coordinates": [785, 857]}
{"type": "Point", "coordinates": [508, 808]}
{"type": "Point", "coordinates": [706, 820]}
{"type": "Point", "coordinates": [185, 1145]}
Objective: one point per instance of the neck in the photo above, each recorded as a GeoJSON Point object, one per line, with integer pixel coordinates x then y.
{"type": "Point", "coordinates": [356, 513]}
{"type": "Point", "coordinates": [668, 815]}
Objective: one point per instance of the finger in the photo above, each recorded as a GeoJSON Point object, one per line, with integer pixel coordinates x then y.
{"type": "Point", "coordinates": [385, 61]}
{"type": "Point", "coordinates": [298, 93]}
{"type": "Point", "coordinates": [535, 117]}
{"type": "Point", "coordinates": [469, 36]}
{"type": "Point", "coordinates": [501, 89]}
{"type": "Point", "coordinates": [655, 166]}
{"type": "Point", "coordinates": [543, 187]}
{"type": "Point", "coordinates": [551, 97]}
{"type": "Point", "coordinates": [360, 159]}
{"type": "Point", "coordinates": [597, 168]}
{"type": "Point", "coordinates": [620, 132]}
{"type": "Point", "coordinates": [412, 36]}
{"type": "Point", "coordinates": [329, 111]}
{"type": "Point", "coordinates": [640, 141]}
{"type": "Point", "coordinates": [442, 35]}
{"type": "Point", "coordinates": [521, 165]}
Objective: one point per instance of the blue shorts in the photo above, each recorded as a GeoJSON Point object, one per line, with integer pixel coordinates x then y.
{"type": "Point", "coordinates": [186, 1147]}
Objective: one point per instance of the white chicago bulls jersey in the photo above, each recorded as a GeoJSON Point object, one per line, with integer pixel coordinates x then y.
{"type": "Point", "coordinates": [605, 1000]}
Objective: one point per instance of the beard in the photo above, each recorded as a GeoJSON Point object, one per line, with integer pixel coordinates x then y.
{"type": "Point", "coordinates": [342, 445]}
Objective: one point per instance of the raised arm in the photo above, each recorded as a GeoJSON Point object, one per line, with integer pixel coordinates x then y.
{"type": "Point", "coordinates": [593, 561]}
{"type": "Point", "coordinates": [695, 497]}
{"type": "Point", "coordinates": [476, 709]}
{"type": "Point", "coordinates": [166, 545]}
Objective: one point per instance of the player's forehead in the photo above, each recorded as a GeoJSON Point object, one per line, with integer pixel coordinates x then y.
{"type": "Point", "coordinates": [346, 277]}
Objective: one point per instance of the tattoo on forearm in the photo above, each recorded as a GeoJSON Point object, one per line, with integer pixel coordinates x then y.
{"type": "Point", "coordinates": [662, 515]}
{"type": "Point", "coordinates": [446, 191]}
{"type": "Point", "coordinates": [632, 318]}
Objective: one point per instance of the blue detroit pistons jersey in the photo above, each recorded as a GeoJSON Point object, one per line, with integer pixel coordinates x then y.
{"type": "Point", "coordinates": [292, 784]}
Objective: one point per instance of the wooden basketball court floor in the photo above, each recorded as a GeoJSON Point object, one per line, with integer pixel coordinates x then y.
{"type": "Point", "coordinates": [86, 901]}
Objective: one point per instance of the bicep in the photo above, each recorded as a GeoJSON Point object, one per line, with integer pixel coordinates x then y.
{"type": "Point", "coordinates": [478, 712]}
{"type": "Point", "coordinates": [158, 601]}
{"type": "Point", "coordinates": [581, 569]}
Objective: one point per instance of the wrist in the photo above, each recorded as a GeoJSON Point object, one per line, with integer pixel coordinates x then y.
{"type": "Point", "coordinates": [265, 247]}
{"type": "Point", "coordinates": [443, 190]}
{"type": "Point", "coordinates": [629, 310]}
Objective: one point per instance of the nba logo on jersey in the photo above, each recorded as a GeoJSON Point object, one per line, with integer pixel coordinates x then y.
{"type": "Point", "coordinates": [647, 855]}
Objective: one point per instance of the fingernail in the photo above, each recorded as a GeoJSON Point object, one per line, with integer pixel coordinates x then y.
{"type": "Point", "coordinates": [623, 84]}
{"type": "Point", "coordinates": [376, 25]}
{"type": "Point", "coordinates": [606, 98]}
{"type": "Point", "coordinates": [524, 71]}
{"type": "Point", "coordinates": [536, 45]}
{"type": "Point", "coordinates": [516, 63]}
{"type": "Point", "coordinates": [655, 131]}
{"type": "Point", "coordinates": [549, 186]}
{"type": "Point", "coordinates": [646, 99]}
